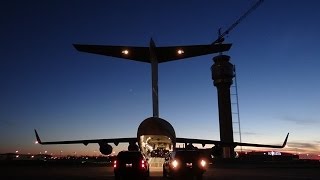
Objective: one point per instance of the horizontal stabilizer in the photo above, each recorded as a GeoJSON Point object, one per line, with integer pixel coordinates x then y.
{"type": "Point", "coordinates": [163, 54]}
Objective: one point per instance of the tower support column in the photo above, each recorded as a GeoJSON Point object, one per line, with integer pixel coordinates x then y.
{"type": "Point", "coordinates": [222, 75]}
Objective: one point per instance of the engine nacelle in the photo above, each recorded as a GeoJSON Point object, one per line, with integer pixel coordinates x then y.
{"type": "Point", "coordinates": [133, 147]}
{"type": "Point", "coordinates": [105, 148]}
{"type": "Point", "coordinates": [216, 151]}
{"type": "Point", "coordinates": [190, 147]}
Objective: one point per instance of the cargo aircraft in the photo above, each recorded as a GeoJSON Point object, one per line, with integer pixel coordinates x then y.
{"type": "Point", "coordinates": [155, 133]}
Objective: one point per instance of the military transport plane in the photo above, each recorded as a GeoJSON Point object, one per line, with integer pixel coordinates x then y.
{"type": "Point", "coordinates": [154, 133]}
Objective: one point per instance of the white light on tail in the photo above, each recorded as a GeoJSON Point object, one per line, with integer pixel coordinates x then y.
{"type": "Point", "coordinates": [126, 52]}
{"type": "Point", "coordinates": [180, 51]}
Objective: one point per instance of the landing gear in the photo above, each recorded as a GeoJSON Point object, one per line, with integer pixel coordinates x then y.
{"type": "Point", "coordinates": [164, 173]}
{"type": "Point", "coordinates": [199, 176]}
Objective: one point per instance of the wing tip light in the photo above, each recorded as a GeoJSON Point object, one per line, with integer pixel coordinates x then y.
{"type": "Point", "coordinates": [38, 141]}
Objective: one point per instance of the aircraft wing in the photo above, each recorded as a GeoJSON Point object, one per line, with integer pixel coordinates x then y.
{"type": "Point", "coordinates": [127, 52]}
{"type": "Point", "coordinates": [116, 141]}
{"type": "Point", "coordinates": [220, 143]}
{"type": "Point", "coordinates": [142, 54]}
{"type": "Point", "coordinates": [170, 53]}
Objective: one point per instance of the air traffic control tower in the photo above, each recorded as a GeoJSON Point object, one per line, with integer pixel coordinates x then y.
{"type": "Point", "coordinates": [222, 75]}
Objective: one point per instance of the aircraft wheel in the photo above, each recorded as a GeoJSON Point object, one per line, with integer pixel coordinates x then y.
{"type": "Point", "coordinates": [164, 173]}
{"type": "Point", "coordinates": [117, 177]}
{"type": "Point", "coordinates": [199, 177]}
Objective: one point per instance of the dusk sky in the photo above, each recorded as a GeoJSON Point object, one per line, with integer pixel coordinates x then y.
{"type": "Point", "coordinates": [68, 95]}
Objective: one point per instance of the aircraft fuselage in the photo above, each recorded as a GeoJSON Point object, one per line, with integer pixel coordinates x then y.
{"type": "Point", "coordinates": [155, 133]}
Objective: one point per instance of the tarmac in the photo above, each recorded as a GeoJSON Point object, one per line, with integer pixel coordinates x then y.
{"type": "Point", "coordinates": [214, 172]}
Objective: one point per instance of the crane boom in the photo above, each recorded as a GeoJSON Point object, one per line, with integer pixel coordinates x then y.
{"type": "Point", "coordinates": [221, 36]}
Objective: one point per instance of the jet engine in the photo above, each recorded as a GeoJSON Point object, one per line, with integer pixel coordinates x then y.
{"type": "Point", "coordinates": [133, 147]}
{"type": "Point", "coordinates": [190, 147]}
{"type": "Point", "coordinates": [105, 148]}
{"type": "Point", "coordinates": [216, 151]}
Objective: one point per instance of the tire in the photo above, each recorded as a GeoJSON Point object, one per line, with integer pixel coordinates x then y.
{"type": "Point", "coordinates": [116, 177]}
{"type": "Point", "coordinates": [164, 173]}
{"type": "Point", "coordinates": [199, 176]}
{"type": "Point", "coordinates": [144, 177]}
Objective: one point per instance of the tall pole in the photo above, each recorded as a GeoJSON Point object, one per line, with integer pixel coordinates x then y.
{"type": "Point", "coordinates": [222, 75]}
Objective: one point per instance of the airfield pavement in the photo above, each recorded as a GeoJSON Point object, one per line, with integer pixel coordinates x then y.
{"type": "Point", "coordinates": [106, 173]}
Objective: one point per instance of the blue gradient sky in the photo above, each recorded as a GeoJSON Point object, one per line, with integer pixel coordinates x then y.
{"type": "Point", "coordinates": [46, 84]}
